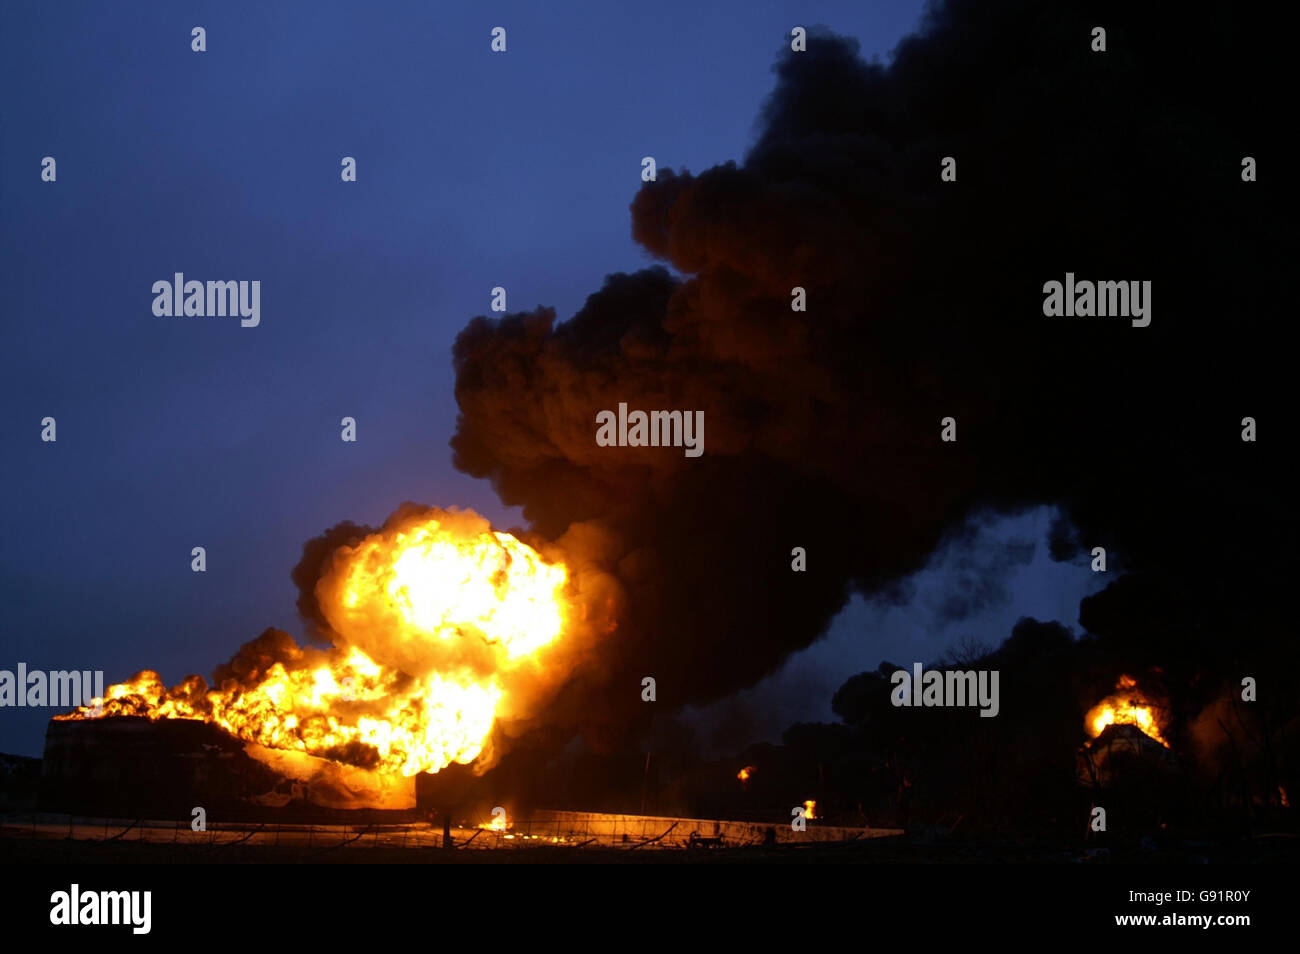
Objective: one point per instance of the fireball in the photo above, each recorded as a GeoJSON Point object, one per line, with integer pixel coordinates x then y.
{"type": "Point", "coordinates": [1125, 706]}
{"type": "Point", "coordinates": [437, 621]}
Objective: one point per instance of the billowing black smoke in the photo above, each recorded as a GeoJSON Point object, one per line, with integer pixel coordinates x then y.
{"type": "Point", "coordinates": [925, 301]}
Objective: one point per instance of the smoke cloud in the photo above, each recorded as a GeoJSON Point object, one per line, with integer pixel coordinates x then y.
{"type": "Point", "coordinates": [924, 301]}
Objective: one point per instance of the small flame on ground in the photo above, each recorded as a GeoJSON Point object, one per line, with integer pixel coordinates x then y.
{"type": "Point", "coordinates": [810, 809]}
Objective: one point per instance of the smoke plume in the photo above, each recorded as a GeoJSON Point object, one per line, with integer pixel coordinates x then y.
{"type": "Point", "coordinates": [924, 301]}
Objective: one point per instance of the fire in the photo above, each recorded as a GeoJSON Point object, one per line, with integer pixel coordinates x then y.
{"type": "Point", "coordinates": [498, 823]}
{"type": "Point", "coordinates": [745, 773]}
{"type": "Point", "coordinates": [495, 585]}
{"type": "Point", "coordinates": [438, 620]}
{"type": "Point", "coordinates": [1125, 707]}
{"type": "Point", "coordinates": [810, 809]}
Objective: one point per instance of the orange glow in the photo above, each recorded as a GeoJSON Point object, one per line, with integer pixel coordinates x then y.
{"type": "Point", "coordinates": [1125, 706]}
{"type": "Point", "coordinates": [493, 585]}
{"type": "Point", "coordinates": [498, 823]}
{"type": "Point", "coordinates": [745, 773]}
{"type": "Point", "coordinates": [810, 809]}
{"type": "Point", "coordinates": [438, 621]}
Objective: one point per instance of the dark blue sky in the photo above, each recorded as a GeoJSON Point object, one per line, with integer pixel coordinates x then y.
{"type": "Point", "coordinates": [475, 169]}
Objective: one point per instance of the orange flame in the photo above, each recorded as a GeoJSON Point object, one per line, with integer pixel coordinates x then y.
{"type": "Point", "coordinates": [810, 809]}
{"type": "Point", "coordinates": [440, 621]}
{"type": "Point", "coordinates": [745, 773]}
{"type": "Point", "coordinates": [1125, 706]}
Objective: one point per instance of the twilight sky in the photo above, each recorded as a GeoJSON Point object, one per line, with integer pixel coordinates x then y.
{"type": "Point", "coordinates": [175, 433]}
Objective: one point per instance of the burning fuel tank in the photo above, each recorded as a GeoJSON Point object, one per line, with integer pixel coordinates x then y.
{"type": "Point", "coordinates": [137, 767]}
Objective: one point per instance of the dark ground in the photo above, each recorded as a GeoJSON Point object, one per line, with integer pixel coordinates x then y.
{"type": "Point", "coordinates": [910, 849]}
